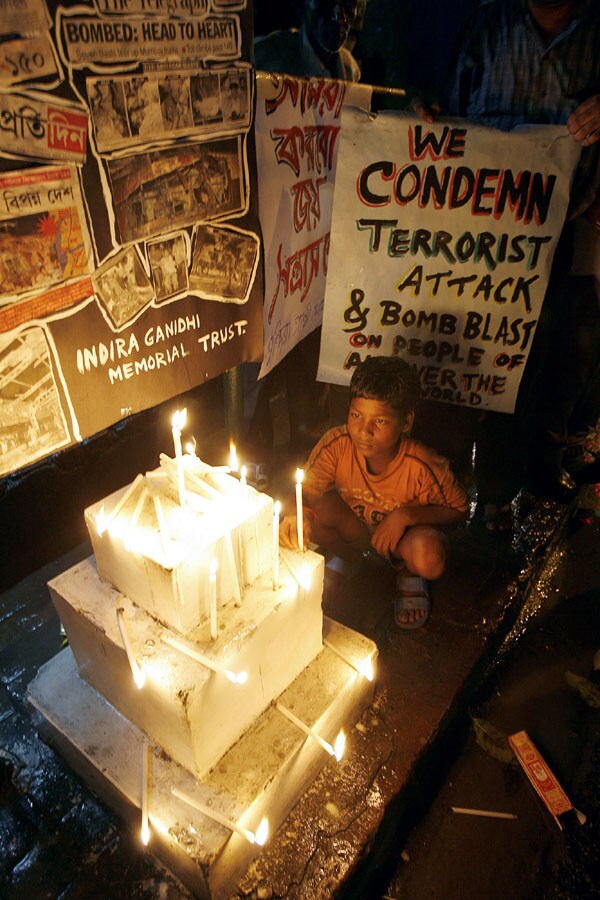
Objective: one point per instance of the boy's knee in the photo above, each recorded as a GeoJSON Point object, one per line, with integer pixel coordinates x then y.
{"type": "Point", "coordinates": [429, 554]}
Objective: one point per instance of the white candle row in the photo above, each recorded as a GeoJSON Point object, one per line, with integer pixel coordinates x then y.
{"type": "Point", "coordinates": [336, 749]}
{"type": "Point", "coordinates": [259, 836]}
{"type": "Point", "coordinates": [235, 677]}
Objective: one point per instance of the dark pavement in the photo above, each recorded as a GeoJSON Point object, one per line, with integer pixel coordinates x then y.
{"type": "Point", "coordinates": [58, 841]}
{"type": "Point", "coordinates": [544, 682]}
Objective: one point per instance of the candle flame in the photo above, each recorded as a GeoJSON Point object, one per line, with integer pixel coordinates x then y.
{"type": "Point", "coordinates": [190, 447]}
{"type": "Point", "coordinates": [139, 676]}
{"type": "Point", "coordinates": [299, 476]}
{"type": "Point", "coordinates": [237, 677]}
{"type": "Point", "coordinates": [277, 508]}
{"type": "Point", "coordinates": [261, 835]}
{"type": "Point", "coordinates": [340, 746]}
{"type": "Point", "coordinates": [145, 834]}
{"type": "Point", "coordinates": [366, 669]}
{"type": "Point", "coordinates": [179, 418]}
{"type": "Point", "coordinates": [233, 461]}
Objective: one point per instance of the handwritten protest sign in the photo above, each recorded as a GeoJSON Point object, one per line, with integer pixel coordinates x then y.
{"type": "Point", "coordinates": [297, 130]}
{"type": "Point", "coordinates": [441, 247]}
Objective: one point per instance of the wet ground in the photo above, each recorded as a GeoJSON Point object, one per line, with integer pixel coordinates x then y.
{"type": "Point", "coordinates": [58, 841]}
{"type": "Point", "coordinates": [543, 683]}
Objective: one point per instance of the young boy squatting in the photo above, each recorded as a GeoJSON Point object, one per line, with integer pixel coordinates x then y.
{"type": "Point", "coordinates": [369, 486]}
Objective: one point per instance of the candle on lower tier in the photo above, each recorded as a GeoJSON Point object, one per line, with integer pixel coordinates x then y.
{"type": "Point", "coordinates": [121, 503]}
{"type": "Point", "coordinates": [235, 677]}
{"type": "Point", "coordinates": [254, 837]}
{"type": "Point", "coordinates": [243, 476]}
{"type": "Point", "coordinates": [276, 512]}
{"type": "Point", "coordinates": [365, 666]}
{"type": "Point", "coordinates": [299, 510]}
{"type": "Point", "coordinates": [136, 671]}
{"type": "Point", "coordinates": [337, 750]}
{"type": "Point", "coordinates": [145, 778]}
{"type": "Point", "coordinates": [212, 590]}
{"type": "Point", "coordinates": [177, 423]}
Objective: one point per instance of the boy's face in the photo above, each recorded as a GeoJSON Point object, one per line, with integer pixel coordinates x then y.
{"type": "Point", "coordinates": [376, 430]}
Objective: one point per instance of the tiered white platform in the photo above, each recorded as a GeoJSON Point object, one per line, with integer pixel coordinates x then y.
{"type": "Point", "coordinates": [197, 695]}
{"type": "Point", "coordinates": [263, 774]}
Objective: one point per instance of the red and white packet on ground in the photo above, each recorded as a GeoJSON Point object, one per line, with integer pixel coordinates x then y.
{"type": "Point", "coordinates": [540, 775]}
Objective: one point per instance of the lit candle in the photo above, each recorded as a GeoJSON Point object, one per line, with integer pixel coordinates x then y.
{"type": "Point", "coordinates": [299, 512]}
{"type": "Point", "coordinates": [235, 677]}
{"type": "Point", "coordinates": [231, 567]}
{"type": "Point", "coordinates": [254, 837]}
{"type": "Point", "coordinates": [340, 742]}
{"type": "Point", "coordinates": [243, 480]}
{"type": "Point", "coordinates": [131, 526]}
{"type": "Point", "coordinates": [136, 671]}
{"type": "Point", "coordinates": [162, 528]}
{"type": "Point", "coordinates": [365, 666]}
{"type": "Point", "coordinates": [276, 511]}
{"type": "Point", "coordinates": [213, 599]}
{"type": "Point", "coordinates": [177, 423]}
{"type": "Point", "coordinates": [233, 461]}
{"type": "Point", "coordinates": [242, 558]}
{"type": "Point", "coordinates": [107, 519]}
{"type": "Point", "coordinates": [145, 834]}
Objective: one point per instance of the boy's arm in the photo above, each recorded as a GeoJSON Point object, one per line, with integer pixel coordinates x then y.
{"type": "Point", "coordinates": [391, 530]}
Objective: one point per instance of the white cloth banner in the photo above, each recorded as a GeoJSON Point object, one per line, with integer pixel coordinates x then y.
{"type": "Point", "coordinates": [441, 248]}
{"type": "Point", "coordinates": [297, 132]}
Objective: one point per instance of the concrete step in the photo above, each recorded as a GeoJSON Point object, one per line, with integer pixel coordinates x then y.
{"type": "Point", "coordinates": [263, 775]}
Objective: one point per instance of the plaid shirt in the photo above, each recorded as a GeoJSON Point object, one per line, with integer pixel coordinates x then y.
{"type": "Point", "coordinates": [504, 75]}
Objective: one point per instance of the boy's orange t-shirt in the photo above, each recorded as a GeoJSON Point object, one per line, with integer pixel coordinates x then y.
{"type": "Point", "coordinates": [417, 476]}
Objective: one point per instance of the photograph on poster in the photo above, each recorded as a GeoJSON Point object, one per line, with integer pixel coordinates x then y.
{"type": "Point", "coordinates": [168, 262]}
{"type": "Point", "coordinates": [128, 111]}
{"type": "Point", "coordinates": [178, 186]}
{"type": "Point", "coordinates": [122, 288]}
{"type": "Point", "coordinates": [143, 107]}
{"type": "Point", "coordinates": [175, 103]}
{"type": "Point", "coordinates": [234, 90]}
{"type": "Point", "coordinates": [43, 239]}
{"type": "Point", "coordinates": [224, 263]}
{"type": "Point", "coordinates": [109, 116]}
{"type": "Point", "coordinates": [205, 92]}
{"type": "Point", "coordinates": [32, 423]}
{"type": "Point", "coordinates": [39, 250]}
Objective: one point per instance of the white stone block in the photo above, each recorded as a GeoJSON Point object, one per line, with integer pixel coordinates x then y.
{"type": "Point", "coordinates": [159, 553]}
{"type": "Point", "coordinates": [263, 775]}
{"type": "Point", "coordinates": [196, 714]}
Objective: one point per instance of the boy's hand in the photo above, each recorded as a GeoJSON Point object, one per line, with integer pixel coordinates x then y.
{"type": "Point", "coordinates": [288, 532]}
{"type": "Point", "coordinates": [389, 532]}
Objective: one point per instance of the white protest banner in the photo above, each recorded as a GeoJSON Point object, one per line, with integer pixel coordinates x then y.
{"type": "Point", "coordinates": [441, 247]}
{"type": "Point", "coordinates": [297, 130]}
